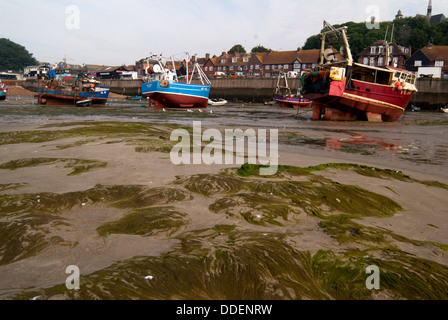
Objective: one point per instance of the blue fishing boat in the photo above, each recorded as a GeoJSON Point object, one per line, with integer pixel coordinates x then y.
{"type": "Point", "coordinates": [166, 89]}
{"type": "Point", "coordinates": [3, 90]}
{"type": "Point", "coordinates": [72, 92]}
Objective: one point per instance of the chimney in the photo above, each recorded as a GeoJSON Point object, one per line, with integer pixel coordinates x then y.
{"type": "Point", "coordinates": [207, 56]}
{"type": "Point", "coordinates": [299, 49]}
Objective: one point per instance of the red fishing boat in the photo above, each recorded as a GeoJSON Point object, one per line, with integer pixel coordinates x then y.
{"type": "Point", "coordinates": [344, 90]}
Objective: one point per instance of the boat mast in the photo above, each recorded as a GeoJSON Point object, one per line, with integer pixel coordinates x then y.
{"type": "Point", "coordinates": [340, 33]}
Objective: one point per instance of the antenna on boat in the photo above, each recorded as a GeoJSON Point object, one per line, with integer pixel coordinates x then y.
{"type": "Point", "coordinates": [392, 33]}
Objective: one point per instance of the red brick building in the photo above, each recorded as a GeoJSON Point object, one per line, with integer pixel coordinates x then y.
{"type": "Point", "coordinates": [266, 64]}
{"type": "Point", "coordinates": [375, 55]}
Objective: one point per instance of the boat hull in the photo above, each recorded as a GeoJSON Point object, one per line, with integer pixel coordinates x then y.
{"type": "Point", "coordinates": [3, 93]}
{"type": "Point", "coordinates": [364, 101]}
{"type": "Point", "coordinates": [58, 97]}
{"type": "Point", "coordinates": [176, 95]}
{"type": "Point", "coordinates": [291, 102]}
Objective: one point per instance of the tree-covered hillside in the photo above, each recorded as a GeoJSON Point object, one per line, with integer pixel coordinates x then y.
{"type": "Point", "coordinates": [409, 32]}
{"type": "Point", "coordinates": [14, 56]}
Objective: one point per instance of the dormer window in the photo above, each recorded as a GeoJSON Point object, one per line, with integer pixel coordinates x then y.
{"type": "Point", "coordinates": [372, 49]}
{"type": "Point", "coordinates": [245, 59]}
{"type": "Point", "coordinates": [223, 61]}
{"type": "Point", "coordinates": [234, 59]}
{"type": "Point", "coordinates": [380, 49]}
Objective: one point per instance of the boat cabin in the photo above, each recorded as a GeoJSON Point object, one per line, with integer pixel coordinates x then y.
{"type": "Point", "coordinates": [384, 76]}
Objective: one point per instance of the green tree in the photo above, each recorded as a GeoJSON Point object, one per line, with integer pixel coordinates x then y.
{"type": "Point", "coordinates": [237, 48]}
{"type": "Point", "coordinates": [14, 56]}
{"type": "Point", "coordinates": [259, 48]}
{"type": "Point", "coordinates": [414, 32]}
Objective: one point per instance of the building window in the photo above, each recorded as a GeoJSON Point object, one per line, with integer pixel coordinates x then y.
{"type": "Point", "coordinates": [280, 67]}
{"type": "Point", "coordinates": [372, 49]}
{"type": "Point", "coordinates": [380, 49]}
{"type": "Point", "coordinates": [219, 68]}
{"type": "Point", "coordinates": [366, 61]}
{"type": "Point", "coordinates": [234, 59]}
{"type": "Point", "coordinates": [417, 63]}
{"type": "Point", "coordinates": [372, 62]}
{"type": "Point", "coordinates": [380, 61]}
{"type": "Point", "coordinates": [252, 67]}
{"type": "Point", "coordinates": [231, 67]}
{"type": "Point", "coordinates": [286, 66]}
{"type": "Point", "coordinates": [314, 66]}
{"type": "Point", "coordinates": [211, 68]}
{"type": "Point", "coordinates": [257, 66]}
{"type": "Point", "coordinates": [390, 49]}
{"type": "Point", "coordinates": [245, 59]}
{"type": "Point", "coordinates": [223, 68]}
{"type": "Point", "coordinates": [223, 60]}
{"type": "Point", "coordinates": [267, 67]}
{"type": "Point", "coordinates": [395, 61]}
{"type": "Point", "coordinates": [245, 68]}
{"type": "Point", "coordinates": [206, 68]}
{"type": "Point", "coordinates": [439, 63]}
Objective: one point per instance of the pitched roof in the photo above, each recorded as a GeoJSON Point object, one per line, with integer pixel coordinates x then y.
{"type": "Point", "coordinates": [396, 50]}
{"type": "Point", "coordinates": [435, 52]}
{"type": "Point", "coordinates": [309, 56]}
{"type": "Point", "coordinates": [437, 18]}
{"type": "Point", "coordinates": [229, 59]}
{"type": "Point", "coordinates": [277, 57]}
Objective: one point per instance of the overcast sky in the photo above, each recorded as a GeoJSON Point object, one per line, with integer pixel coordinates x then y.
{"type": "Point", "coordinates": [117, 32]}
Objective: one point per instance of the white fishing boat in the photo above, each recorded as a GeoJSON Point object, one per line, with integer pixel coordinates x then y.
{"type": "Point", "coordinates": [217, 102]}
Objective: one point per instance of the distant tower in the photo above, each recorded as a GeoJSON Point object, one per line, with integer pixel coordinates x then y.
{"type": "Point", "coordinates": [399, 15]}
{"type": "Point", "coordinates": [429, 14]}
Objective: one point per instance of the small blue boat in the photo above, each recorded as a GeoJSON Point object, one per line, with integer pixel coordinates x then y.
{"type": "Point", "coordinates": [166, 91]}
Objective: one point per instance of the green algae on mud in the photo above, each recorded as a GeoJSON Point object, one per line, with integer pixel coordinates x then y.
{"type": "Point", "coordinates": [227, 263]}
{"type": "Point", "coordinates": [25, 219]}
{"type": "Point", "coordinates": [79, 165]}
{"type": "Point", "coordinates": [23, 235]}
{"type": "Point", "coordinates": [146, 222]}
{"type": "Point", "coordinates": [248, 170]}
{"type": "Point", "coordinates": [89, 129]}
{"type": "Point", "coordinates": [402, 276]}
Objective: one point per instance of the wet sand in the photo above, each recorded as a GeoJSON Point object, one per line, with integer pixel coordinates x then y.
{"type": "Point", "coordinates": [220, 211]}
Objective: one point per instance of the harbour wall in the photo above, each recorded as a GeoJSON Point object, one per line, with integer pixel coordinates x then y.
{"type": "Point", "coordinates": [432, 93]}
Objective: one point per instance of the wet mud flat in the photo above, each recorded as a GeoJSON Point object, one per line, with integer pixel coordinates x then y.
{"type": "Point", "coordinates": [104, 196]}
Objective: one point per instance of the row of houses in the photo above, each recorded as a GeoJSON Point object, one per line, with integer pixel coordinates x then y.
{"type": "Point", "coordinates": [294, 63]}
